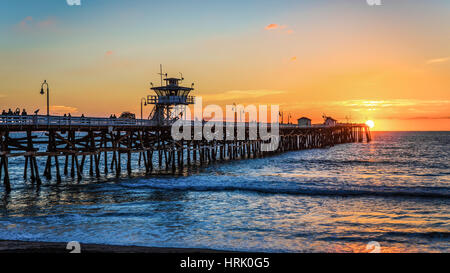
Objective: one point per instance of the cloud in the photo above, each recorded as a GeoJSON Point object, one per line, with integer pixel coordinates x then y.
{"type": "Point", "coordinates": [438, 60]}
{"type": "Point", "coordinates": [392, 103]}
{"type": "Point", "coordinates": [391, 109]}
{"type": "Point", "coordinates": [272, 26]}
{"type": "Point", "coordinates": [282, 28]}
{"type": "Point", "coordinates": [109, 53]}
{"type": "Point", "coordinates": [294, 59]}
{"type": "Point", "coordinates": [29, 24]}
{"type": "Point", "coordinates": [419, 118]}
{"type": "Point", "coordinates": [61, 109]}
{"type": "Point", "coordinates": [25, 21]}
{"type": "Point", "coordinates": [397, 109]}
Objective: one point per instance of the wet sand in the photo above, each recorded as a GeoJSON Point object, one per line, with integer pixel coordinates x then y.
{"type": "Point", "coordinates": [48, 247]}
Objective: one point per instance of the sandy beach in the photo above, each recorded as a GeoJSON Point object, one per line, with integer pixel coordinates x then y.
{"type": "Point", "coordinates": [49, 247]}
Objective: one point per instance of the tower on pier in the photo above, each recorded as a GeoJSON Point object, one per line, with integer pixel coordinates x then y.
{"type": "Point", "coordinates": [170, 100]}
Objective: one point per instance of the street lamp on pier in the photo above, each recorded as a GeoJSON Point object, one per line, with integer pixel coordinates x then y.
{"type": "Point", "coordinates": [48, 95]}
{"type": "Point", "coordinates": [144, 100]}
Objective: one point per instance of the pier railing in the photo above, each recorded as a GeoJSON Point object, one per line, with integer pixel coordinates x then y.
{"type": "Point", "coordinates": [38, 120]}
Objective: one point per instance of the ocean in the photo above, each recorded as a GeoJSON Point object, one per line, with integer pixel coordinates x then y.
{"type": "Point", "coordinates": [394, 191]}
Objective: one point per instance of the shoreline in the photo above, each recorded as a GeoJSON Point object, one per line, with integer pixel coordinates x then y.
{"type": "Point", "coordinates": [12, 246]}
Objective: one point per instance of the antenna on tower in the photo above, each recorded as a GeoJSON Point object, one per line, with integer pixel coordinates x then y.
{"type": "Point", "coordinates": [161, 73]}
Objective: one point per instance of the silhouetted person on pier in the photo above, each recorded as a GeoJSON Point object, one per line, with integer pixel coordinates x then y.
{"type": "Point", "coordinates": [82, 115]}
{"type": "Point", "coordinates": [4, 113]}
{"type": "Point", "coordinates": [17, 112]}
{"type": "Point", "coordinates": [24, 112]}
{"type": "Point", "coordinates": [69, 115]}
{"type": "Point", "coordinates": [10, 112]}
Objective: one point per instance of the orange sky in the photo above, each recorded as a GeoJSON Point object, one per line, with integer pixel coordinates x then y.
{"type": "Point", "coordinates": [346, 59]}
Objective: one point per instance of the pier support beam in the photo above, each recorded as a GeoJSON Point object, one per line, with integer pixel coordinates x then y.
{"type": "Point", "coordinates": [4, 167]}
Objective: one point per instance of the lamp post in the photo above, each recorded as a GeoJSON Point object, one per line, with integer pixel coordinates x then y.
{"type": "Point", "coordinates": [48, 95]}
{"type": "Point", "coordinates": [145, 104]}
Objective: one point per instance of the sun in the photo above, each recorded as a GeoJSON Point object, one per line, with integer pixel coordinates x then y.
{"type": "Point", "coordinates": [370, 123]}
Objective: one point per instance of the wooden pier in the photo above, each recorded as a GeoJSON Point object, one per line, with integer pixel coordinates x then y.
{"type": "Point", "coordinates": [69, 144]}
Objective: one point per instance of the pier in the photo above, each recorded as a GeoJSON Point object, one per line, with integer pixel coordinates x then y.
{"type": "Point", "coordinates": [68, 144]}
